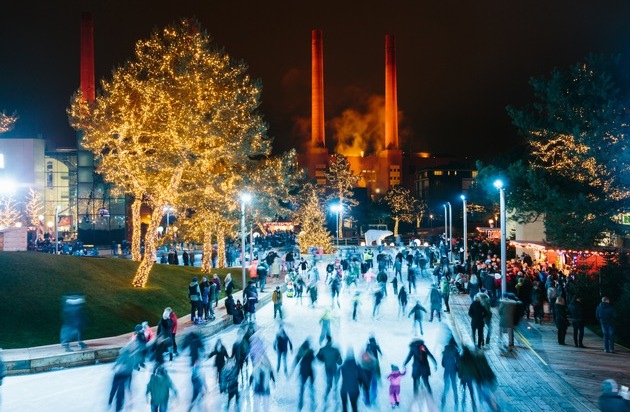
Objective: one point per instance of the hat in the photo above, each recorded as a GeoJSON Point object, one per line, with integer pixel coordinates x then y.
{"type": "Point", "coordinates": [277, 287]}
{"type": "Point", "coordinates": [394, 368]}
{"type": "Point", "coordinates": [138, 328]}
{"type": "Point", "coordinates": [195, 279]}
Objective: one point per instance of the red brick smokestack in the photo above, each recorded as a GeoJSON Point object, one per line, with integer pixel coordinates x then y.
{"type": "Point", "coordinates": [317, 92]}
{"type": "Point", "coordinates": [87, 57]}
{"type": "Point", "coordinates": [391, 94]}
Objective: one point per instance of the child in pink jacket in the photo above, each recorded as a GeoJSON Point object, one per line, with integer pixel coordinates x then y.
{"type": "Point", "coordinates": [394, 385]}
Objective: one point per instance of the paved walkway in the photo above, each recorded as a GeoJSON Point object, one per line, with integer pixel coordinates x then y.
{"type": "Point", "coordinates": [539, 374]}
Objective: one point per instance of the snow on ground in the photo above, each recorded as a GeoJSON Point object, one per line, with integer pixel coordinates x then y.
{"type": "Point", "coordinates": [87, 388]}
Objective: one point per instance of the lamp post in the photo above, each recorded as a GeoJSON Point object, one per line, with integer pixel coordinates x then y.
{"type": "Point", "coordinates": [431, 222]}
{"type": "Point", "coordinates": [168, 210]}
{"type": "Point", "coordinates": [445, 222]}
{"type": "Point", "coordinates": [465, 230]}
{"type": "Point", "coordinates": [499, 185]}
{"type": "Point", "coordinates": [337, 209]}
{"type": "Point", "coordinates": [450, 231]}
{"type": "Point", "coordinates": [245, 198]}
{"type": "Point", "coordinates": [57, 229]}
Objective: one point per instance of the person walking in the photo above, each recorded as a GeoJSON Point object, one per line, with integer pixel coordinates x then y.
{"type": "Point", "coordinates": [282, 345]}
{"type": "Point", "coordinates": [276, 298]}
{"type": "Point", "coordinates": [394, 379]}
{"type": "Point", "coordinates": [159, 389]}
{"type": "Point", "coordinates": [420, 354]}
{"type": "Point", "coordinates": [220, 355]}
{"type": "Point", "coordinates": [72, 320]}
{"type": "Point", "coordinates": [305, 357]}
{"type": "Point", "coordinates": [450, 363]}
{"type": "Point", "coordinates": [445, 288]}
{"type": "Point", "coordinates": [510, 314]}
{"type": "Point", "coordinates": [374, 349]}
{"type": "Point", "coordinates": [350, 373]}
{"type": "Point", "coordinates": [330, 356]}
{"type": "Point", "coordinates": [477, 313]}
{"type": "Point", "coordinates": [416, 312]}
{"type": "Point", "coordinates": [606, 316]}
{"type": "Point", "coordinates": [196, 303]}
{"type": "Point", "coordinates": [402, 301]}
{"type": "Point", "coordinates": [436, 303]}
{"type": "Point", "coordinates": [561, 319]}
{"type": "Point", "coordinates": [576, 311]}
{"type": "Point", "coordinates": [485, 300]}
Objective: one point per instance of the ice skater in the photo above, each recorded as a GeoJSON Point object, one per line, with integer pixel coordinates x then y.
{"type": "Point", "coordinates": [282, 344]}
{"type": "Point", "coordinates": [416, 312]}
{"type": "Point", "coordinates": [394, 385]}
{"type": "Point", "coordinates": [305, 357]}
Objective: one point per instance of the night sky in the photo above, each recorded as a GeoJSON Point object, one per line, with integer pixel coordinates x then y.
{"type": "Point", "coordinates": [459, 62]}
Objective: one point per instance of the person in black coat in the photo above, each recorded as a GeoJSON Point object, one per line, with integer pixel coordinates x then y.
{"type": "Point", "coordinates": [305, 358]}
{"type": "Point", "coordinates": [220, 355]}
{"type": "Point", "coordinates": [420, 354]}
{"type": "Point", "coordinates": [610, 400]}
{"type": "Point", "coordinates": [576, 309]}
{"type": "Point", "coordinates": [282, 344]}
{"type": "Point", "coordinates": [349, 391]}
{"type": "Point", "coordinates": [330, 356]}
{"type": "Point", "coordinates": [561, 318]}
{"type": "Point", "coordinates": [477, 313]}
{"type": "Point", "coordinates": [450, 363]}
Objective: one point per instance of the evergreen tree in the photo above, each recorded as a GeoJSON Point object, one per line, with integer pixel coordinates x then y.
{"type": "Point", "coordinates": [312, 220]}
{"type": "Point", "coordinates": [339, 184]}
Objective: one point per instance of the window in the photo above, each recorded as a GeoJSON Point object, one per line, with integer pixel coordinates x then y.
{"type": "Point", "coordinates": [438, 173]}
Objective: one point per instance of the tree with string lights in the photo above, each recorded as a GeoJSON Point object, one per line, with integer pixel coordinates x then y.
{"type": "Point", "coordinates": [311, 218]}
{"type": "Point", "coordinates": [7, 121]}
{"type": "Point", "coordinates": [179, 107]}
{"type": "Point", "coordinates": [339, 184]}
{"type": "Point", "coordinates": [400, 204]}
{"type": "Point", "coordinates": [576, 173]}
{"type": "Point", "coordinates": [9, 212]}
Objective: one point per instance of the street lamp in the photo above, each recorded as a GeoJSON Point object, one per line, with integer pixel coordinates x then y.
{"type": "Point", "coordinates": [337, 207]}
{"type": "Point", "coordinates": [465, 230]}
{"type": "Point", "coordinates": [245, 198]}
{"type": "Point", "coordinates": [57, 229]}
{"type": "Point", "coordinates": [499, 185]}
{"type": "Point", "coordinates": [168, 210]}
{"type": "Point", "coordinates": [450, 230]}
{"type": "Point", "coordinates": [431, 222]}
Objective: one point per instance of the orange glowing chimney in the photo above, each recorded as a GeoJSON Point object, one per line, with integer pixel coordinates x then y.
{"type": "Point", "coordinates": [87, 57]}
{"type": "Point", "coordinates": [317, 92]}
{"type": "Point", "coordinates": [391, 94]}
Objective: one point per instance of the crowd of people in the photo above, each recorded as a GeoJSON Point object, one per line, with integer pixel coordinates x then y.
{"type": "Point", "coordinates": [365, 278]}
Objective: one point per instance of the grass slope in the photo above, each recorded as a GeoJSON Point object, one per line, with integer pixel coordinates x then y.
{"type": "Point", "coordinates": [32, 285]}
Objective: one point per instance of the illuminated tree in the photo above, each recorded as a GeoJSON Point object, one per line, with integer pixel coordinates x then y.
{"type": "Point", "coordinates": [400, 204]}
{"type": "Point", "coordinates": [420, 208]}
{"type": "Point", "coordinates": [7, 121]}
{"type": "Point", "coordinates": [9, 212]}
{"type": "Point", "coordinates": [339, 184]}
{"type": "Point", "coordinates": [312, 220]}
{"type": "Point", "coordinates": [34, 207]}
{"type": "Point", "coordinates": [575, 172]}
{"type": "Point", "coordinates": [179, 108]}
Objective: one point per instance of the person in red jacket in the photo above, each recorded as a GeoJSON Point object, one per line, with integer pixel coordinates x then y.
{"type": "Point", "coordinates": [173, 317]}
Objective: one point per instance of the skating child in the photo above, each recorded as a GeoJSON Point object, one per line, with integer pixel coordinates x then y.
{"type": "Point", "coordinates": [394, 385]}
